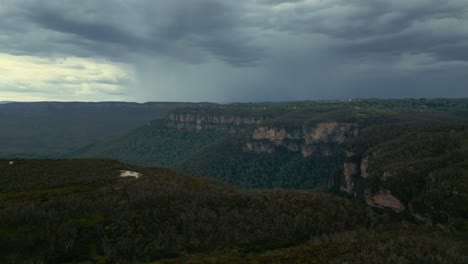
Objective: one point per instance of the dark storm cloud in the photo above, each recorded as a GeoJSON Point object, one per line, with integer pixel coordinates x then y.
{"type": "Point", "coordinates": [188, 31]}
{"type": "Point", "coordinates": [394, 27]}
{"type": "Point", "coordinates": [222, 29]}
{"type": "Point", "coordinates": [444, 48]}
{"type": "Point", "coordinates": [91, 31]}
{"type": "Point", "coordinates": [255, 49]}
{"type": "Point", "coordinates": [94, 38]}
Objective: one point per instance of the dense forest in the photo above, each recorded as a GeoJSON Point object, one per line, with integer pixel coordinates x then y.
{"type": "Point", "coordinates": [227, 161]}
{"type": "Point", "coordinates": [424, 165]}
{"type": "Point", "coordinates": [64, 211]}
{"type": "Point", "coordinates": [220, 155]}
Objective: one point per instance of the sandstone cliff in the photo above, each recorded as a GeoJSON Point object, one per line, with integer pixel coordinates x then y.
{"type": "Point", "coordinates": [385, 200]}
{"type": "Point", "coordinates": [199, 121]}
{"type": "Point", "coordinates": [317, 139]}
{"type": "Point", "coordinates": [355, 173]}
{"type": "Point", "coordinates": [310, 140]}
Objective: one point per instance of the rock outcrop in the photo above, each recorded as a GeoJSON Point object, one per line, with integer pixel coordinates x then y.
{"type": "Point", "coordinates": [313, 140]}
{"type": "Point", "coordinates": [329, 132]}
{"type": "Point", "coordinates": [318, 139]}
{"type": "Point", "coordinates": [200, 121]}
{"type": "Point", "coordinates": [259, 147]}
{"type": "Point", "coordinates": [364, 167]}
{"type": "Point", "coordinates": [326, 132]}
{"type": "Point", "coordinates": [355, 173]}
{"type": "Point", "coordinates": [276, 135]}
{"type": "Point", "coordinates": [386, 201]}
{"type": "Point", "coordinates": [350, 172]}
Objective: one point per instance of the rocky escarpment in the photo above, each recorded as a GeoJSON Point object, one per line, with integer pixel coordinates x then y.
{"type": "Point", "coordinates": [350, 174]}
{"type": "Point", "coordinates": [355, 173]}
{"type": "Point", "coordinates": [194, 120]}
{"type": "Point", "coordinates": [312, 140]}
{"type": "Point", "coordinates": [416, 172]}
{"type": "Point", "coordinates": [385, 200]}
{"type": "Point", "coordinates": [264, 136]}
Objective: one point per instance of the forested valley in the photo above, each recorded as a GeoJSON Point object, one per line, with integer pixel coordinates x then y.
{"type": "Point", "coordinates": [363, 181]}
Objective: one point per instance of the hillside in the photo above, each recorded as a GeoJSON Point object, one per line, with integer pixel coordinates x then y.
{"type": "Point", "coordinates": [64, 211]}
{"type": "Point", "coordinates": [59, 129]}
{"type": "Point", "coordinates": [268, 145]}
{"type": "Point", "coordinates": [418, 170]}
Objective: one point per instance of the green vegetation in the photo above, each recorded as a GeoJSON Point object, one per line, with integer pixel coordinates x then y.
{"type": "Point", "coordinates": [82, 211]}
{"type": "Point", "coordinates": [280, 108]}
{"type": "Point", "coordinates": [398, 244]}
{"type": "Point", "coordinates": [227, 161]}
{"type": "Point", "coordinates": [77, 210]}
{"type": "Point", "coordinates": [155, 145]}
{"type": "Point", "coordinates": [423, 165]}
{"type": "Point", "coordinates": [220, 155]}
{"type": "Point", "coordinates": [69, 211]}
{"type": "Point", "coordinates": [218, 151]}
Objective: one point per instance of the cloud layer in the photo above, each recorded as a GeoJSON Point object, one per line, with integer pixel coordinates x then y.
{"type": "Point", "coordinates": [38, 78]}
{"type": "Point", "coordinates": [220, 50]}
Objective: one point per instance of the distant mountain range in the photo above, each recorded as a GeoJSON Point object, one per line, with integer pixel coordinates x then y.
{"type": "Point", "coordinates": [56, 129]}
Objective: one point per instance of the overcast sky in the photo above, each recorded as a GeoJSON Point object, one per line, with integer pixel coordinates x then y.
{"type": "Point", "coordinates": [226, 50]}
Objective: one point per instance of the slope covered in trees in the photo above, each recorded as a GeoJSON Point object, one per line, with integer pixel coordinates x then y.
{"type": "Point", "coordinates": [424, 166]}
{"type": "Point", "coordinates": [60, 211]}
{"type": "Point", "coordinates": [226, 160]}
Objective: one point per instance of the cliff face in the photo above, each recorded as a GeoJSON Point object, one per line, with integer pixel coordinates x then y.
{"type": "Point", "coordinates": [350, 172]}
{"type": "Point", "coordinates": [326, 132]}
{"type": "Point", "coordinates": [312, 140]}
{"type": "Point", "coordinates": [385, 200]}
{"type": "Point", "coordinates": [418, 173]}
{"type": "Point", "coordinates": [355, 172]}
{"type": "Point", "coordinates": [364, 167]}
{"type": "Point", "coordinates": [200, 121]}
